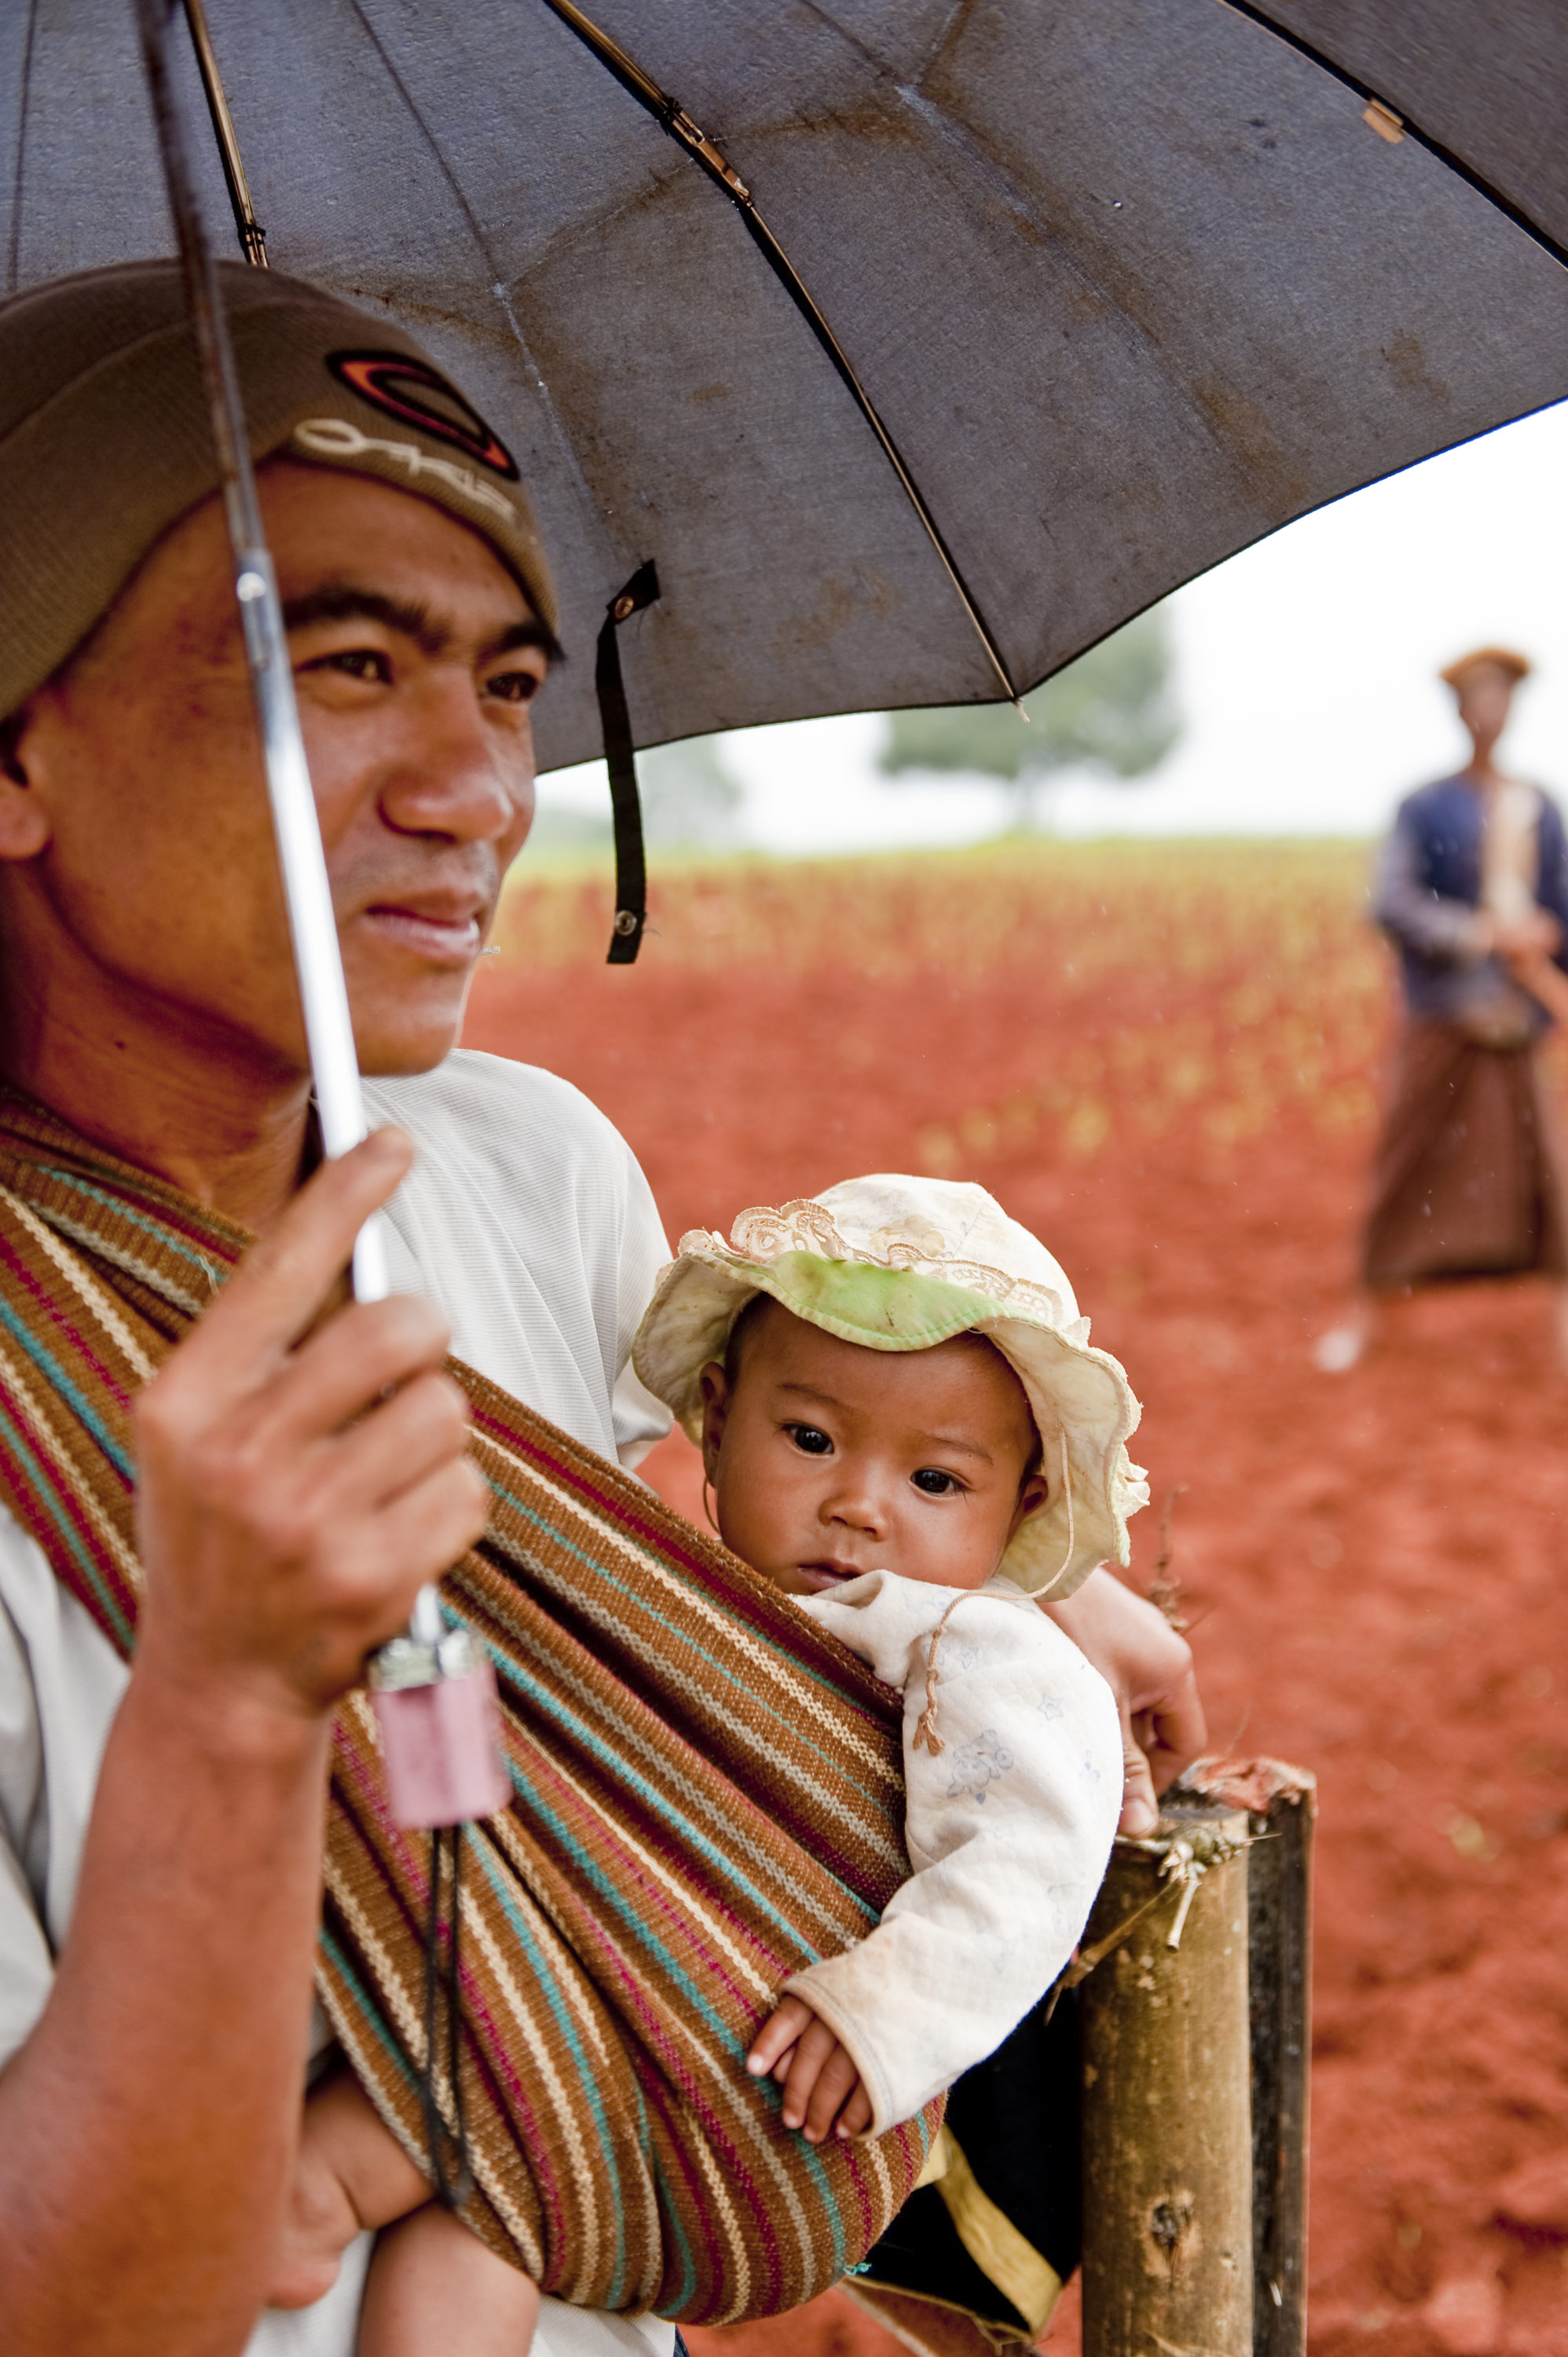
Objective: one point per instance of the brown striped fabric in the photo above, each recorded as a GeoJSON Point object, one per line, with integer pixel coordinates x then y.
{"type": "Point", "coordinates": [707, 1795]}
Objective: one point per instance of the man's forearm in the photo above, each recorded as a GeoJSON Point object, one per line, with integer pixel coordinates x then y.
{"type": "Point", "coordinates": [148, 2125]}
{"type": "Point", "coordinates": [1148, 1667]}
{"type": "Point", "coordinates": [1415, 916]}
{"type": "Point", "coordinates": [299, 1476]}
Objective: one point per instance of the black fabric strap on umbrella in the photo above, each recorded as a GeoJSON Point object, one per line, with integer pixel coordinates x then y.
{"type": "Point", "coordinates": [674, 119]}
{"type": "Point", "coordinates": [620, 759]}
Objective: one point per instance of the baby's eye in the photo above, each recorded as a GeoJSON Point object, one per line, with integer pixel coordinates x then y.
{"type": "Point", "coordinates": [933, 1482]}
{"type": "Point", "coordinates": [811, 1439]}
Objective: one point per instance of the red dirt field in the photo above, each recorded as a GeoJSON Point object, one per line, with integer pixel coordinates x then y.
{"type": "Point", "coordinates": [1160, 1058]}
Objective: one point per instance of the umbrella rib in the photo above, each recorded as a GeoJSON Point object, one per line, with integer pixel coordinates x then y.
{"type": "Point", "coordinates": [674, 120]}
{"type": "Point", "coordinates": [491, 261]}
{"type": "Point", "coordinates": [1446, 156]}
{"type": "Point", "coordinates": [407, 98]}
{"type": "Point", "coordinates": [251, 235]}
{"type": "Point", "coordinates": [14, 243]}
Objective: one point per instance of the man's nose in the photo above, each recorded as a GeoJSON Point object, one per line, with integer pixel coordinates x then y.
{"type": "Point", "coordinates": [453, 777]}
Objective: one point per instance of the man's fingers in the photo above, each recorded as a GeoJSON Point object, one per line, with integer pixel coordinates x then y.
{"type": "Point", "coordinates": [778, 2034]}
{"type": "Point", "coordinates": [425, 1533]}
{"type": "Point", "coordinates": [283, 1282]}
{"type": "Point", "coordinates": [1140, 1810]}
{"type": "Point", "coordinates": [421, 1428]}
{"type": "Point", "coordinates": [1179, 1727]}
{"type": "Point", "coordinates": [427, 1530]}
{"type": "Point", "coordinates": [317, 1443]}
{"type": "Point", "coordinates": [366, 1351]}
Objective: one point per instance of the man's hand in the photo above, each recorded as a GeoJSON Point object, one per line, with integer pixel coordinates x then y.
{"type": "Point", "coordinates": [1148, 1667]}
{"type": "Point", "coordinates": [301, 1470]}
{"type": "Point", "coordinates": [299, 1475]}
{"type": "Point", "coordinates": [823, 2089]}
{"type": "Point", "coordinates": [1525, 941]}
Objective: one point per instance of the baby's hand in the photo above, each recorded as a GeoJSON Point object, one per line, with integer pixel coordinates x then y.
{"type": "Point", "coordinates": [319, 2224]}
{"type": "Point", "coordinates": [351, 2173]}
{"type": "Point", "coordinates": [823, 2089]}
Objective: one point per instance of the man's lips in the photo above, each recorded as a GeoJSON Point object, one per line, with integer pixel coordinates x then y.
{"type": "Point", "coordinates": [442, 933]}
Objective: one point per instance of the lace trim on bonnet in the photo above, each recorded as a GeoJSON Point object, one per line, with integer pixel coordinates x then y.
{"type": "Point", "coordinates": [763, 1233]}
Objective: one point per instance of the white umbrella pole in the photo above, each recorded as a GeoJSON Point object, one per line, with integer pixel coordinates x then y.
{"type": "Point", "coordinates": [435, 1693]}
{"type": "Point", "coordinates": [313, 926]}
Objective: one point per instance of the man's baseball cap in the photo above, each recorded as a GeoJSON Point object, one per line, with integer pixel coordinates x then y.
{"type": "Point", "coordinates": [106, 439]}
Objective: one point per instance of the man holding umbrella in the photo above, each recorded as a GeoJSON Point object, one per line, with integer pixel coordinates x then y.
{"type": "Point", "coordinates": [299, 1468]}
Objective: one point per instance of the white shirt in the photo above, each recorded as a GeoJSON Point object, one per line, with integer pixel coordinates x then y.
{"type": "Point", "coordinates": [1009, 1827]}
{"type": "Point", "coordinates": [527, 1219]}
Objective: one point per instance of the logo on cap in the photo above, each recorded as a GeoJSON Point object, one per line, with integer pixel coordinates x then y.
{"type": "Point", "coordinates": [402, 388]}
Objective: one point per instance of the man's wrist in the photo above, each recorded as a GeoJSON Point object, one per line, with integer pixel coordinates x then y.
{"type": "Point", "coordinates": [240, 1718]}
{"type": "Point", "coordinates": [1482, 934]}
{"type": "Point", "coordinates": [1082, 1603]}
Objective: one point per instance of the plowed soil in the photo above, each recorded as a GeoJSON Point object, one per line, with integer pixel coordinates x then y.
{"type": "Point", "coordinates": [1164, 1060]}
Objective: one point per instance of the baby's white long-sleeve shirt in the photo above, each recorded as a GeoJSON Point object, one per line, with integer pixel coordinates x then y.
{"type": "Point", "coordinates": [1009, 1827]}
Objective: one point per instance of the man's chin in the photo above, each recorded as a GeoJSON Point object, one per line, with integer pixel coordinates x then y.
{"type": "Point", "coordinates": [398, 1053]}
{"type": "Point", "coordinates": [406, 1024]}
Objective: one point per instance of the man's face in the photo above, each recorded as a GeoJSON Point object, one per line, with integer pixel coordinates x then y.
{"type": "Point", "coordinates": [1485, 691]}
{"type": "Point", "coordinates": [415, 659]}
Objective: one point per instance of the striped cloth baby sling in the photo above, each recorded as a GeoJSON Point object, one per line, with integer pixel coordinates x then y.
{"type": "Point", "coordinates": [707, 1795]}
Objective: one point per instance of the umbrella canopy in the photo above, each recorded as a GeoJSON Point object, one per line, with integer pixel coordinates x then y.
{"type": "Point", "coordinates": [1130, 283]}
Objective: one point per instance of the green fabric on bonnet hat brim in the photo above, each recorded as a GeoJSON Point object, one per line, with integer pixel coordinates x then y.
{"type": "Point", "coordinates": [105, 440]}
{"type": "Point", "coordinates": [1073, 1391]}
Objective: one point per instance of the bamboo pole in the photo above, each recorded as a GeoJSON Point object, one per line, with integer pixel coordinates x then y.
{"type": "Point", "coordinates": [1279, 1906]}
{"type": "Point", "coordinates": [1167, 2145]}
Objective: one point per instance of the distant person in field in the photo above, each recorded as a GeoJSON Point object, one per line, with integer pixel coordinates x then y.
{"type": "Point", "coordinates": [1472, 890]}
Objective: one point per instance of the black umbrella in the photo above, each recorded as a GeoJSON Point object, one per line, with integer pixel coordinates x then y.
{"type": "Point", "coordinates": [1077, 300]}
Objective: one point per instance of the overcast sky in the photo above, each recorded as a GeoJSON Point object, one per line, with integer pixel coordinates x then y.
{"type": "Point", "coordinates": [1305, 673]}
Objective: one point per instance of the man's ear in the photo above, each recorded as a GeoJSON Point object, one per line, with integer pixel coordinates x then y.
{"type": "Point", "coordinates": [715, 1414]}
{"type": "Point", "coordinates": [24, 820]}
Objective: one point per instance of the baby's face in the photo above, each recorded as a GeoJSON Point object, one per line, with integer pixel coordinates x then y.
{"type": "Point", "coordinates": [828, 1459]}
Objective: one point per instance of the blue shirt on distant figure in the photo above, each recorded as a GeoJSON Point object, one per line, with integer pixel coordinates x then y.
{"type": "Point", "coordinates": [1428, 896]}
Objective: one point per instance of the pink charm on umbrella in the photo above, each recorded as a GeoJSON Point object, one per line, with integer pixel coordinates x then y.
{"type": "Point", "coordinates": [434, 1697]}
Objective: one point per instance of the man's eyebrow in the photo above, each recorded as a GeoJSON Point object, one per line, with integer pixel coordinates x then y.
{"type": "Point", "coordinates": [529, 634]}
{"type": "Point", "coordinates": [346, 601]}
{"type": "Point", "coordinates": [343, 601]}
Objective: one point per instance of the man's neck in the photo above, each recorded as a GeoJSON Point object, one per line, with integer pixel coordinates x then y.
{"type": "Point", "coordinates": [205, 1114]}
{"type": "Point", "coordinates": [1482, 771]}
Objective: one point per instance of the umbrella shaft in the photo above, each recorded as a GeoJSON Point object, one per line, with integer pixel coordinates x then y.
{"type": "Point", "coordinates": [313, 925]}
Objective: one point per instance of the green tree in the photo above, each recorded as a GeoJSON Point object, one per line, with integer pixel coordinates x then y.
{"type": "Point", "coordinates": [1114, 710]}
